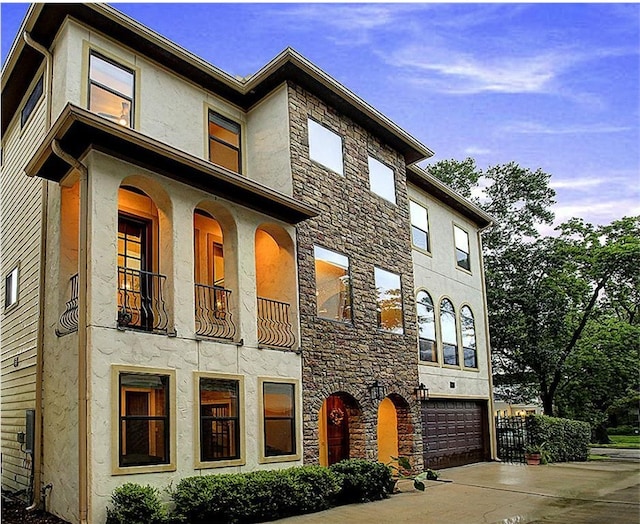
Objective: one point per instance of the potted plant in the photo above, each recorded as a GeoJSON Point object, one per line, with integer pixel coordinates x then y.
{"type": "Point", "coordinates": [401, 469]}
{"type": "Point", "coordinates": [533, 454]}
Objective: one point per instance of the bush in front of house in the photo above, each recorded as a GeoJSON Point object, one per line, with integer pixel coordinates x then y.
{"type": "Point", "coordinates": [256, 496]}
{"type": "Point", "coordinates": [622, 430]}
{"type": "Point", "coordinates": [362, 480]}
{"type": "Point", "coordinates": [135, 504]}
{"type": "Point", "coordinates": [562, 439]}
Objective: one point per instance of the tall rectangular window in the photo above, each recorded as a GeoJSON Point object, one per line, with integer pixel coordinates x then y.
{"type": "Point", "coordinates": [333, 285]}
{"type": "Point", "coordinates": [279, 419]}
{"type": "Point", "coordinates": [325, 147]}
{"type": "Point", "coordinates": [224, 142]}
{"type": "Point", "coordinates": [143, 419]}
{"type": "Point", "coordinates": [462, 248]}
{"type": "Point", "coordinates": [381, 180]}
{"type": "Point", "coordinates": [11, 288]}
{"type": "Point", "coordinates": [111, 88]}
{"type": "Point", "coordinates": [419, 226]}
{"type": "Point", "coordinates": [31, 102]}
{"type": "Point", "coordinates": [219, 419]}
{"type": "Point", "coordinates": [389, 301]}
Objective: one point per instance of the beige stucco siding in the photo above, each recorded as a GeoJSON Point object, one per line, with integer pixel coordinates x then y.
{"type": "Point", "coordinates": [438, 274]}
{"type": "Point", "coordinates": [21, 199]}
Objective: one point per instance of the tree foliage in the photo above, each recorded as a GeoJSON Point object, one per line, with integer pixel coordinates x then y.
{"type": "Point", "coordinates": [550, 297]}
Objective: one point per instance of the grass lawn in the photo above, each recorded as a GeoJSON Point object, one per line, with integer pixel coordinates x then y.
{"type": "Point", "coordinates": [622, 442]}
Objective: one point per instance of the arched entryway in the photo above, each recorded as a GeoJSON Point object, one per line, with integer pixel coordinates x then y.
{"type": "Point", "coordinates": [338, 422]}
{"type": "Point", "coordinates": [395, 431]}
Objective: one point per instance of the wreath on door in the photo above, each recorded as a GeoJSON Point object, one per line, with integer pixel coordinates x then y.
{"type": "Point", "coordinates": [336, 416]}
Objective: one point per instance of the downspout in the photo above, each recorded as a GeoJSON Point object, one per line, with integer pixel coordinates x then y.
{"type": "Point", "coordinates": [492, 429]}
{"type": "Point", "coordinates": [83, 365]}
{"type": "Point", "coordinates": [38, 449]}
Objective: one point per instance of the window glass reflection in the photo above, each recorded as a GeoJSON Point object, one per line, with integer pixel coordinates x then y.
{"type": "Point", "coordinates": [389, 301]}
{"type": "Point", "coordinates": [381, 180]}
{"type": "Point", "coordinates": [333, 290]}
{"type": "Point", "coordinates": [325, 147]}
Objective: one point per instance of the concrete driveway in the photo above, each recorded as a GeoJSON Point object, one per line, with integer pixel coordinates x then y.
{"type": "Point", "coordinates": [602, 492]}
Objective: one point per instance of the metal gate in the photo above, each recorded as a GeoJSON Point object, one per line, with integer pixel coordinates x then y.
{"type": "Point", "coordinates": [511, 433]}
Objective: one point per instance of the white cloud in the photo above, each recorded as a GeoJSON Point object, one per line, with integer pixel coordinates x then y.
{"type": "Point", "coordinates": [474, 150]}
{"type": "Point", "coordinates": [536, 128]}
{"type": "Point", "coordinates": [584, 183]}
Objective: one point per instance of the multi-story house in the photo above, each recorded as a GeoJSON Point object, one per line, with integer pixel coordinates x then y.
{"type": "Point", "coordinates": [208, 274]}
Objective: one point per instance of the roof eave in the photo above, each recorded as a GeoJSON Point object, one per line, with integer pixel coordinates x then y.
{"type": "Point", "coordinates": [78, 131]}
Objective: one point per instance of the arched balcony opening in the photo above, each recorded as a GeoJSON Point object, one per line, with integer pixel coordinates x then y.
{"type": "Point", "coordinates": [142, 288]}
{"type": "Point", "coordinates": [213, 291]}
{"type": "Point", "coordinates": [275, 286]}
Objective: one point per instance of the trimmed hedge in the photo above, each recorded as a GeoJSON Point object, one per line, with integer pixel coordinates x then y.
{"type": "Point", "coordinates": [362, 480]}
{"type": "Point", "coordinates": [563, 440]}
{"type": "Point", "coordinates": [256, 496]}
{"type": "Point", "coordinates": [136, 504]}
{"type": "Point", "coordinates": [622, 430]}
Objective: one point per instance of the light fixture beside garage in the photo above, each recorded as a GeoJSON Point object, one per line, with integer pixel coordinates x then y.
{"type": "Point", "coordinates": [421, 392]}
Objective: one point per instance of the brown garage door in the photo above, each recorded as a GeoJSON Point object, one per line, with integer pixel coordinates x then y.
{"type": "Point", "coordinates": [455, 432]}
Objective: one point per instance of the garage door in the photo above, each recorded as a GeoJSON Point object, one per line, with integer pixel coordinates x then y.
{"type": "Point", "coordinates": [455, 432]}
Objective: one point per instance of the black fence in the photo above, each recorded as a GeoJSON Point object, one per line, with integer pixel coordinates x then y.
{"type": "Point", "coordinates": [511, 433]}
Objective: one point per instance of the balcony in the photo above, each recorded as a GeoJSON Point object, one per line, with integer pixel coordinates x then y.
{"type": "Point", "coordinates": [141, 303]}
{"type": "Point", "coordinates": [213, 312]}
{"type": "Point", "coordinates": [68, 322]}
{"type": "Point", "coordinates": [274, 324]}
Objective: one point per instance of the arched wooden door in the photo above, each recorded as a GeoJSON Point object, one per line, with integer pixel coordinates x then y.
{"type": "Point", "coordinates": [337, 430]}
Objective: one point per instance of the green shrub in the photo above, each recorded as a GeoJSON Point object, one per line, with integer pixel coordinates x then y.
{"type": "Point", "coordinates": [256, 496]}
{"type": "Point", "coordinates": [563, 439]}
{"type": "Point", "coordinates": [362, 480]}
{"type": "Point", "coordinates": [136, 504]}
{"type": "Point", "coordinates": [622, 430]}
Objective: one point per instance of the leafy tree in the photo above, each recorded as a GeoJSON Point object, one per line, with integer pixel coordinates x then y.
{"type": "Point", "coordinates": [542, 292]}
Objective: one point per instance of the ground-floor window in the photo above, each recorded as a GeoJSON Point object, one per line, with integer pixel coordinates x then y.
{"type": "Point", "coordinates": [219, 419]}
{"type": "Point", "coordinates": [279, 418]}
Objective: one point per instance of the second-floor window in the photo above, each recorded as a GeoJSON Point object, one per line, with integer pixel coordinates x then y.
{"type": "Point", "coordinates": [333, 290]}
{"type": "Point", "coordinates": [419, 226]}
{"type": "Point", "coordinates": [224, 142]}
{"type": "Point", "coordinates": [389, 301]}
{"type": "Point", "coordinates": [426, 327]}
{"type": "Point", "coordinates": [461, 238]}
{"type": "Point", "coordinates": [111, 88]}
{"type": "Point", "coordinates": [449, 333]}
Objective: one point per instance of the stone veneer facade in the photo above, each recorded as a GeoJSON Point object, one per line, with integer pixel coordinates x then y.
{"type": "Point", "coordinates": [347, 357]}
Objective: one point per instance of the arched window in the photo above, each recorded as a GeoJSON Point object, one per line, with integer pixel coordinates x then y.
{"type": "Point", "coordinates": [426, 327]}
{"type": "Point", "coordinates": [449, 333]}
{"type": "Point", "coordinates": [468, 329]}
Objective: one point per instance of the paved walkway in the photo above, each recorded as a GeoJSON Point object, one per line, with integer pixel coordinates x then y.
{"type": "Point", "coordinates": [602, 492]}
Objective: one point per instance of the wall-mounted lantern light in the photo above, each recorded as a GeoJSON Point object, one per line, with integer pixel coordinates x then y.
{"type": "Point", "coordinates": [377, 391]}
{"type": "Point", "coordinates": [421, 392]}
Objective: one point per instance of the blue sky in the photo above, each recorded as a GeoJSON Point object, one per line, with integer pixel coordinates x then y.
{"type": "Point", "coordinates": [550, 86]}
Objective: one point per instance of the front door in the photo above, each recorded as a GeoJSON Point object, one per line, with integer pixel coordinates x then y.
{"type": "Point", "coordinates": [337, 430]}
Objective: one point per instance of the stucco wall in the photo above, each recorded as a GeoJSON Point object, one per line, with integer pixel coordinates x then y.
{"type": "Point", "coordinates": [183, 353]}
{"type": "Point", "coordinates": [438, 274]}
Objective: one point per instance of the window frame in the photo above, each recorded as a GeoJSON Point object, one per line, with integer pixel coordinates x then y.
{"type": "Point", "coordinates": [224, 120]}
{"type": "Point", "coordinates": [392, 173]}
{"type": "Point", "coordinates": [317, 160]}
{"type": "Point", "coordinates": [30, 104]}
{"type": "Point", "coordinates": [456, 343]}
{"type": "Point", "coordinates": [134, 88]}
{"type": "Point", "coordinates": [435, 362]}
{"type": "Point", "coordinates": [11, 302]}
{"type": "Point", "coordinates": [413, 226]}
{"type": "Point", "coordinates": [378, 317]}
{"type": "Point", "coordinates": [116, 443]}
{"type": "Point", "coordinates": [263, 458]}
{"type": "Point", "coordinates": [349, 294]}
{"type": "Point", "coordinates": [240, 423]}
{"type": "Point", "coordinates": [475, 339]}
{"type": "Point", "coordinates": [456, 249]}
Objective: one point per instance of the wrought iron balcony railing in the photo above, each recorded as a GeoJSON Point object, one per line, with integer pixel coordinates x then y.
{"type": "Point", "coordinates": [68, 322]}
{"type": "Point", "coordinates": [141, 303]}
{"type": "Point", "coordinates": [274, 324]}
{"type": "Point", "coordinates": [213, 312]}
